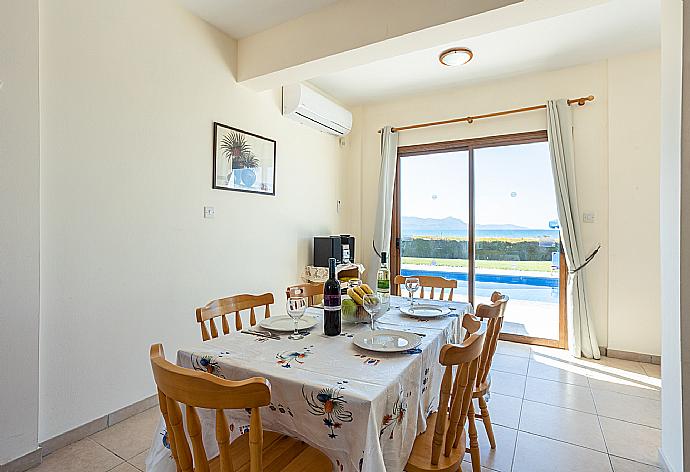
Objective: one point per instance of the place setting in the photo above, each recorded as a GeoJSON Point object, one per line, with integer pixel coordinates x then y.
{"type": "Point", "coordinates": [294, 322]}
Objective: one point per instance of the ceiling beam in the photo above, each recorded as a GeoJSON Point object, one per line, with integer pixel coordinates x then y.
{"type": "Point", "coordinates": [350, 33]}
{"type": "Point", "coordinates": [325, 39]}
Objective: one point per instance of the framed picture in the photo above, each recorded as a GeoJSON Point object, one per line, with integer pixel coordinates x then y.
{"type": "Point", "coordinates": [243, 161]}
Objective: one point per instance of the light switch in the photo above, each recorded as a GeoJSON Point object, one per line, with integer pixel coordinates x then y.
{"type": "Point", "coordinates": [209, 212]}
{"type": "Point", "coordinates": [589, 217]}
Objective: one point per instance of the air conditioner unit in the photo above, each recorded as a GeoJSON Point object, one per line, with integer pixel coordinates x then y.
{"type": "Point", "coordinates": [303, 104]}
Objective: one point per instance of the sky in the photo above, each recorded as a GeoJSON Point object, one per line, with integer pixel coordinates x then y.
{"type": "Point", "coordinates": [513, 185]}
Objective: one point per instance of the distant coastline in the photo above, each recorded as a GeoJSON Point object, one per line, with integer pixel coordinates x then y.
{"type": "Point", "coordinates": [483, 233]}
{"type": "Point", "coordinates": [455, 228]}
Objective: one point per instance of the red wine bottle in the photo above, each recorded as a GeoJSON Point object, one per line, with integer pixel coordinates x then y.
{"type": "Point", "coordinates": [331, 302]}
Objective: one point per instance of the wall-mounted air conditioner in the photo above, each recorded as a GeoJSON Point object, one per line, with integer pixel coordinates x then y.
{"type": "Point", "coordinates": [303, 104]}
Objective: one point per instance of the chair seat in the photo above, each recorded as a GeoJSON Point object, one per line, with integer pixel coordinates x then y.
{"type": "Point", "coordinates": [420, 457]}
{"type": "Point", "coordinates": [280, 453]}
{"type": "Point", "coordinates": [483, 388]}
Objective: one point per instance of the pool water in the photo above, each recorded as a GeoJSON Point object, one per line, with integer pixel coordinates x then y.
{"type": "Point", "coordinates": [519, 287]}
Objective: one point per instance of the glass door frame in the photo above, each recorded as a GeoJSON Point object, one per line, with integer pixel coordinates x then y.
{"type": "Point", "coordinates": [469, 145]}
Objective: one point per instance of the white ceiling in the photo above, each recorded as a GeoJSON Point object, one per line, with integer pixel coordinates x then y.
{"type": "Point", "coordinates": [613, 28]}
{"type": "Point", "coordinates": [240, 18]}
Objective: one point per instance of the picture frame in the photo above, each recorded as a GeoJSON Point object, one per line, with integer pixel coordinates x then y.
{"type": "Point", "coordinates": [243, 161]}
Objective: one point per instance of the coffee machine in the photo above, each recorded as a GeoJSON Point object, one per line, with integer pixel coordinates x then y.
{"type": "Point", "coordinates": [342, 247]}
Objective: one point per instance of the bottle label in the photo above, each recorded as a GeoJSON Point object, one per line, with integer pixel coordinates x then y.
{"type": "Point", "coordinates": [331, 302]}
{"type": "Point", "coordinates": [383, 284]}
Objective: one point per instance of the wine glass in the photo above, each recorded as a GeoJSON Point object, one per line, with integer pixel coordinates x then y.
{"type": "Point", "coordinates": [295, 308]}
{"type": "Point", "coordinates": [412, 285]}
{"type": "Point", "coordinates": [372, 304]}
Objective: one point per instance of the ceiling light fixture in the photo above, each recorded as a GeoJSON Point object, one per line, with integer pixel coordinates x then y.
{"type": "Point", "coordinates": [455, 56]}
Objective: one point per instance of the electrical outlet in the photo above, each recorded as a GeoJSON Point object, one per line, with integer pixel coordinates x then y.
{"type": "Point", "coordinates": [589, 218]}
{"type": "Point", "coordinates": [209, 212]}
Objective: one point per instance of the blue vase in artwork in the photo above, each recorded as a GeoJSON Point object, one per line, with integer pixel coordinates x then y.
{"type": "Point", "coordinates": [238, 176]}
{"type": "Point", "coordinates": [248, 177]}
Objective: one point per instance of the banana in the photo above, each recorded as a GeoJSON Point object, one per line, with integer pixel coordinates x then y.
{"type": "Point", "coordinates": [367, 289]}
{"type": "Point", "coordinates": [360, 291]}
{"type": "Point", "coordinates": [355, 296]}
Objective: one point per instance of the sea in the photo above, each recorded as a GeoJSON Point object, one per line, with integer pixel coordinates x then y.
{"type": "Point", "coordinates": [484, 233]}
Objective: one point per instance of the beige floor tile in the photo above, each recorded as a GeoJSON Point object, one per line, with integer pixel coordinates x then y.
{"type": "Point", "coordinates": [626, 386]}
{"type": "Point", "coordinates": [510, 364]}
{"type": "Point", "coordinates": [625, 465]}
{"type": "Point", "coordinates": [632, 441]}
{"type": "Point", "coordinates": [79, 457]}
{"type": "Point", "coordinates": [513, 349]}
{"type": "Point", "coordinates": [504, 410]}
{"type": "Point", "coordinates": [550, 368]}
{"type": "Point", "coordinates": [622, 364]}
{"type": "Point", "coordinates": [507, 384]}
{"type": "Point", "coordinates": [652, 370]}
{"type": "Point", "coordinates": [139, 461]}
{"type": "Point", "coordinates": [575, 427]}
{"type": "Point", "coordinates": [125, 467]}
{"type": "Point", "coordinates": [638, 410]}
{"type": "Point", "coordinates": [538, 454]}
{"type": "Point", "coordinates": [131, 436]}
{"type": "Point", "coordinates": [501, 458]}
{"type": "Point", "coordinates": [559, 394]}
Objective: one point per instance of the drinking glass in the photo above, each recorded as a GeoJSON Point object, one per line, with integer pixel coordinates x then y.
{"type": "Point", "coordinates": [412, 285]}
{"type": "Point", "coordinates": [295, 308]}
{"type": "Point", "coordinates": [372, 304]}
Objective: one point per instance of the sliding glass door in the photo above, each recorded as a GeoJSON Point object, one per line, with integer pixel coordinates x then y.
{"type": "Point", "coordinates": [483, 212]}
{"type": "Point", "coordinates": [433, 225]}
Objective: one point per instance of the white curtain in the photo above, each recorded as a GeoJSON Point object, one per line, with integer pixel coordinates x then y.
{"type": "Point", "coordinates": [384, 210]}
{"type": "Point", "coordinates": [582, 339]}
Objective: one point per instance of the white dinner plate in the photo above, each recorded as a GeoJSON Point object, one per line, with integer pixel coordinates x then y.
{"type": "Point", "coordinates": [285, 323]}
{"type": "Point", "coordinates": [386, 340]}
{"type": "Point", "coordinates": [422, 310]}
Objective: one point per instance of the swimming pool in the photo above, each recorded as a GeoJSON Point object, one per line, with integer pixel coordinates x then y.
{"type": "Point", "coordinates": [519, 287]}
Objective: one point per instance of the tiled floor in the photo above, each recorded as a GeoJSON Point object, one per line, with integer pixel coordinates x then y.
{"type": "Point", "coordinates": [550, 413]}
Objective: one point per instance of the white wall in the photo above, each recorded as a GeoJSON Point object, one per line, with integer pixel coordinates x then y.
{"type": "Point", "coordinates": [129, 91]}
{"type": "Point", "coordinates": [19, 226]}
{"type": "Point", "coordinates": [634, 113]}
{"type": "Point", "coordinates": [672, 410]}
{"type": "Point", "coordinates": [591, 127]}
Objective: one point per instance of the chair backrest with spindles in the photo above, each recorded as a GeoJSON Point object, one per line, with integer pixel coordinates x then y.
{"type": "Point", "coordinates": [177, 385]}
{"type": "Point", "coordinates": [494, 314]}
{"type": "Point", "coordinates": [431, 282]}
{"type": "Point", "coordinates": [235, 304]}
{"type": "Point", "coordinates": [309, 291]}
{"type": "Point", "coordinates": [456, 393]}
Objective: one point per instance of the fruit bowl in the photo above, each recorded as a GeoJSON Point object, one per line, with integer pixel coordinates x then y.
{"type": "Point", "coordinates": [352, 312]}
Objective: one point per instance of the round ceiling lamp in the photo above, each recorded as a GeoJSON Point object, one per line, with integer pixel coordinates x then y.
{"type": "Point", "coordinates": [455, 56]}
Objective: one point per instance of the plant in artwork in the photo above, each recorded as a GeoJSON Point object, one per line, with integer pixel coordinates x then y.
{"type": "Point", "coordinates": [237, 151]}
{"type": "Point", "coordinates": [240, 156]}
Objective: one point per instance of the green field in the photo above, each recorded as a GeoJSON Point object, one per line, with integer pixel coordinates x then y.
{"type": "Point", "coordinates": [537, 266]}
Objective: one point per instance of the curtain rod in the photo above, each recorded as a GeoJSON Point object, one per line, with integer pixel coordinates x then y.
{"type": "Point", "coordinates": [469, 119]}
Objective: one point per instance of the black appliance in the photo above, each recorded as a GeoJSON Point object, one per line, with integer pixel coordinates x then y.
{"type": "Point", "coordinates": [341, 247]}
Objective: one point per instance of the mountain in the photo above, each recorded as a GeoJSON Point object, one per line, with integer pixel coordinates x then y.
{"type": "Point", "coordinates": [413, 223]}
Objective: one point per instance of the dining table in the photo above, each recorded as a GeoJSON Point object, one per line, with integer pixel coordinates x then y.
{"type": "Point", "coordinates": [362, 408]}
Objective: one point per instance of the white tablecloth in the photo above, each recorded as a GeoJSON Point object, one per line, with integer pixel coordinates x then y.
{"type": "Point", "coordinates": [363, 409]}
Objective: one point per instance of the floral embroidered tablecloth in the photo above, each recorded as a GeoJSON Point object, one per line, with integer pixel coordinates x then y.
{"type": "Point", "coordinates": [363, 409]}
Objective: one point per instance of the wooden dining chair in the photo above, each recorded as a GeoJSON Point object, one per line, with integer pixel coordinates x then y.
{"type": "Point", "coordinates": [430, 282]}
{"type": "Point", "coordinates": [254, 451]}
{"type": "Point", "coordinates": [493, 313]}
{"type": "Point", "coordinates": [308, 290]}
{"type": "Point", "coordinates": [235, 304]}
{"type": "Point", "coordinates": [442, 448]}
